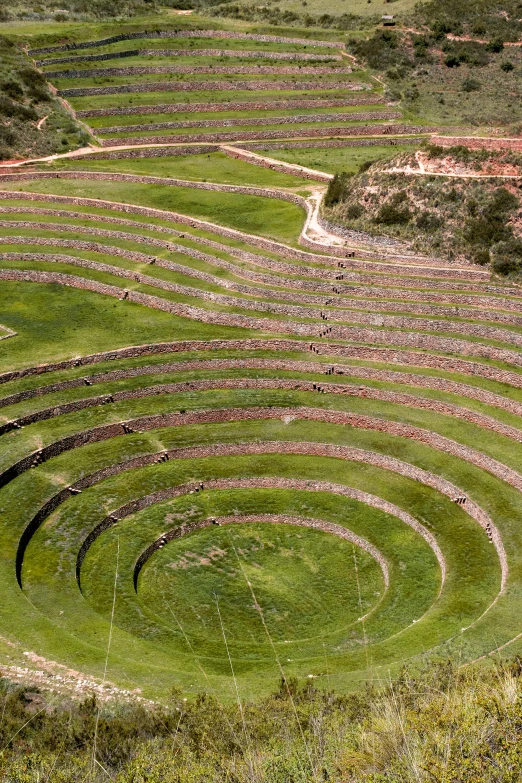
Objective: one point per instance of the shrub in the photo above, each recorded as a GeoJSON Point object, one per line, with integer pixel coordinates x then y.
{"type": "Point", "coordinates": [354, 211]}
{"type": "Point", "coordinates": [389, 215]}
{"type": "Point", "coordinates": [366, 165]}
{"type": "Point", "coordinates": [428, 221]}
{"type": "Point", "coordinates": [6, 135]}
{"type": "Point", "coordinates": [507, 66]}
{"type": "Point", "coordinates": [481, 257]}
{"type": "Point", "coordinates": [336, 190]}
{"type": "Point", "coordinates": [471, 85]}
{"type": "Point", "coordinates": [12, 89]}
{"type": "Point", "coordinates": [496, 45]}
{"type": "Point", "coordinates": [507, 256]}
{"type": "Point", "coordinates": [452, 61]}
{"type": "Point", "coordinates": [9, 108]}
{"type": "Point", "coordinates": [411, 93]}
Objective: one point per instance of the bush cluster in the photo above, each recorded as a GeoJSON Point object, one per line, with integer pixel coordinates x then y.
{"type": "Point", "coordinates": [494, 20]}
{"type": "Point", "coordinates": [277, 16]}
{"type": "Point", "coordinates": [465, 726]}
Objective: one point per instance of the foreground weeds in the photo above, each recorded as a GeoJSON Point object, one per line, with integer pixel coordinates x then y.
{"type": "Point", "coordinates": [443, 724]}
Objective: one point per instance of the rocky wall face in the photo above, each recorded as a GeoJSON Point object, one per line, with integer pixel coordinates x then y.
{"type": "Point", "coordinates": [176, 108]}
{"type": "Point", "coordinates": [293, 384]}
{"type": "Point", "coordinates": [141, 70]}
{"type": "Point", "coordinates": [154, 153]}
{"type": "Point", "coordinates": [437, 442]}
{"type": "Point", "coordinates": [330, 317]}
{"type": "Point", "coordinates": [333, 331]}
{"type": "Point", "coordinates": [284, 250]}
{"type": "Point", "coordinates": [231, 123]}
{"type": "Point", "coordinates": [243, 54]}
{"type": "Point", "coordinates": [186, 86]}
{"type": "Point", "coordinates": [387, 356]}
{"type": "Point", "coordinates": [485, 303]}
{"type": "Point", "coordinates": [294, 145]}
{"type": "Point", "coordinates": [476, 143]}
{"type": "Point", "coordinates": [346, 130]}
{"type": "Point", "coordinates": [248, 364]}
{"type": "Point", "coordinates": [219, 34]}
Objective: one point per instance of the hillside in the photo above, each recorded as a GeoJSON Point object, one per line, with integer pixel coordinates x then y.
{"type": "Point", "coordinates": [33, 122]}
{"type": "Point", "coordinates": [455, 203]}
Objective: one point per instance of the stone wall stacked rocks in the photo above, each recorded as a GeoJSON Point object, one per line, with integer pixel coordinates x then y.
{"type": "Point", "coordinates": [477, 143]}
{"type": "Point", "coordinates": [274, 519]}
{"type": "Point", "coordinates": [270, 263]}
{"type": "Point", "coordinates": [267, 244]}
{"type": "Point", "coordinates": [166, 152]}
{"type": "Point", "coordinates": [333, 331]}
{"type": "Point", "coordinates": [284, 168]}
{"type": "Point", "coordinates": [242, 53]}
{"type": "Point", "coordinates": [394, 398]}
{"type": "Point", "coordinates": [326, 350]}
{"type": "Point", "coordinates": [219, 34]}
{"type": "Point", "coordinates": [285, 120]}
{"type": "Point", "coordinates": [287, 310]}
{"type": "Point", "coordinates": [354, 372]}
{"type": "Point", "coordinates": [177, 108]}
{"type": "Point", "coordinates": [347, 130]}
{"type": "Point", "coordinates": [437, 442]}
{"type": "Point", "coordinates": [141, 70]}
{"type": "Point", "coordinates": [185, 86]}
{"type": "Point", "coordinates": [295, 145]}
{"type": "Point", "coordinates": [484, 314]}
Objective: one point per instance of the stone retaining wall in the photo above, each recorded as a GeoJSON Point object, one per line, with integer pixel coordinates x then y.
{"type": "Point", "coordinates": [284, 168]}
{"type": "Point", "coordinates": [221, 34]}
{"type": "Point", "coordinates": [294, 311]}
{"type": "Point", "coordinates": [185, 86]}
{"type": "Point", "coordinates": [335, 331]}
{"type": "Point", "coordinates": [331, 314]}
{"type": "Point", "coordinates": [327, 350]}
{"type": "Point", "coordinates": [476, 143]}
{"type": "Point", "coordinates": [291, 133]}
{"type": "Point", "coordinates": [275, 482]}
{"type": "Point", "coordinates": [285, 120]}
{"type": "Point", "coordinates": [244, 54]}
{"type": "Point", "coordinates": [165, 152]}
{"type": "Point", "coordinates": [143, 70]}
{"type": "Point", "coordinates": [292, 384]}
{"type": "Point", "coordinates": [238, 519]}
{"type": "Point", "coordinates": [144, 180]}
{"type": "Point", "coordinates": [178, 108]}
{"type": "Point", "coordinates": [295, 145]}
{"type": "Point", "coordinates": [408, 269]}
{"type": "Point", "coordinates": [286, 365]}
{"type": "Point", "coordinates": [341, 287]}
{"type": "Point", "coordinates": [432, 440]}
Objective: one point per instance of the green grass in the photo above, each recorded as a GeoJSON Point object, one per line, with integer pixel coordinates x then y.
{"type": "Point", "coordinates": [137, 119]}
{"type": "Point", "coordinates": [217, 167]}
{"type": "Point", "coordinates": [335, 159]}
{"type": "Point", "coordinates": [253, 214]}
{"type": "Point", "coordinates": [209, 96]}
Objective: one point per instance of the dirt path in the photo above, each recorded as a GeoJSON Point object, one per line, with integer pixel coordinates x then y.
{"type": "Point", "coordinates": [254, 158]}
{"type": "Point", "coordinates": [423, 171]}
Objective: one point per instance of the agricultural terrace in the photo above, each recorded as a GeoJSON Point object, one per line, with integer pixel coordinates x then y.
{"type": "Point", "coordinates": [236, 443]}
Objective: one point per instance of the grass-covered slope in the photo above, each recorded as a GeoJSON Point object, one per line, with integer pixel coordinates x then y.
{"type": "Point", "coordinates": [33, 122]}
